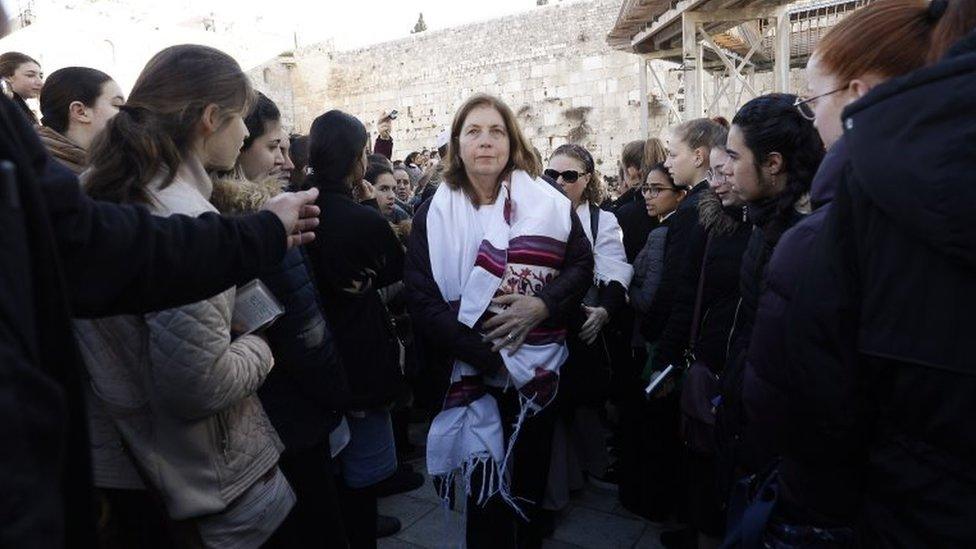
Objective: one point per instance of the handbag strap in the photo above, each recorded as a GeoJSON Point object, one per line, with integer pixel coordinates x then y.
{"type": "Point", "coordinates": [696, 318]}
{"type": "Point", "coordinates": [594, 221]}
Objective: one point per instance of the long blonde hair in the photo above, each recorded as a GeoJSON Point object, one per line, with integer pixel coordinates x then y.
{"type": "Point", "coordinates": [154, 129]}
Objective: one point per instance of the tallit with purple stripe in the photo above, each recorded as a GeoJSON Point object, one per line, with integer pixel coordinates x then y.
{"type": "Point", "coordinates": [515, 247]}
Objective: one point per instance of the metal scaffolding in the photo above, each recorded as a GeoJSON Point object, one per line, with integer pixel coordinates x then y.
{"type": "Point", "coordinates": [731, 40]}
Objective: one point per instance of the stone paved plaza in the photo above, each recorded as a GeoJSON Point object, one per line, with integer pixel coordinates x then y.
{"type": "Point", "coordinates": [594, 520]}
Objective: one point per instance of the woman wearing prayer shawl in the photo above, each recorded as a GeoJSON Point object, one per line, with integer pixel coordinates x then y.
{"type": "Point", "coordinates": [498, 263]}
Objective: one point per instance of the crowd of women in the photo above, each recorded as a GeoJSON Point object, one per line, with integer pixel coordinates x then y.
{"type": "Point", "coordinates": [759, 338]}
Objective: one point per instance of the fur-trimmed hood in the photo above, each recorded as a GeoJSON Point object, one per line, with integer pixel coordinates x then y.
{"type": "Point", "coordinates": [714, 217]}
{"type": "Point", "coordinates": [234, 195]}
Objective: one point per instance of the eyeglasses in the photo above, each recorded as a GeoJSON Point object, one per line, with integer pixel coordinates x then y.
{"type": "Point", "coordinates": [715, 175]}
{"type": "Point", "coordinates": [569, 176]}
{"type": "Point", "coordinates": [804, 104]}
{"type": "Point", "coordinates": [653, 192]}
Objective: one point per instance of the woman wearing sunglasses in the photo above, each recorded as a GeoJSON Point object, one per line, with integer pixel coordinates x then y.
{"type": "Point", "coordinates": [586, 374]}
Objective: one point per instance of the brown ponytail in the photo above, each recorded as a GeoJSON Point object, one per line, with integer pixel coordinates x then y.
{"type": "Point", "coordinates": [887, 38]}
{"type": "Point", "coordinates": [701, 132]}
{"type": "Point", "coordinates": [154, 129]}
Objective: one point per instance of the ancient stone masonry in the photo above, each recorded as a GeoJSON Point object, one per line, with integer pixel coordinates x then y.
{"type": "Point", "coordinates": [552, 65]}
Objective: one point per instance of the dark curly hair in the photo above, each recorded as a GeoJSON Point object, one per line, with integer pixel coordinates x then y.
{"type": "Point", "coordinates": [770, 123]}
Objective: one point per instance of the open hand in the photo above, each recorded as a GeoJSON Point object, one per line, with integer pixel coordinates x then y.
{"type": "Point", "coordinates": [298, 213]}
{"type": "Point", "coordinates": [596, 319]}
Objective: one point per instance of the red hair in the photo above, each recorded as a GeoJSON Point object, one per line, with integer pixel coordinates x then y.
{"type": "Point", "coordinates": [886, 38]}
{"type": "Point", "coordinates": [958, 20]}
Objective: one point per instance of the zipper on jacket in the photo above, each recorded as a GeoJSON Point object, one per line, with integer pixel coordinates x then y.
{"type": "Point", "coordinates": [223, 437]}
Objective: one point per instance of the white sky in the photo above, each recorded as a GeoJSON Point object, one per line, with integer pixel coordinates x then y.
{"type": "Point", "coordinates": [356, 23]}
{"type": "Point", "coordinates": [351, 23]}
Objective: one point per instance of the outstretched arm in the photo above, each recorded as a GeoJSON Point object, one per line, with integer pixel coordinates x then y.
{"type": "Point", "coordinates": [121, 259]}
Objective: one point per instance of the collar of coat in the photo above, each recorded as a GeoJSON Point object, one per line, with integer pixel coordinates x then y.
{"type": "Point", "coordinates": [63, 149]}
{"type": "Point", "coordinates": [233, 194]}
{"type": "Point", "coordinates": [716, 218]}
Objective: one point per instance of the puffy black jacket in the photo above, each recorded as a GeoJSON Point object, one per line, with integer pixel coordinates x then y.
{"type": "Point", "coordinates": [826, 490]}
{"type": "Point", "coordinates": [730, 416]}
{"type": "Point", "coordinates": [308, 383]}
{"type": "Point", "coordinates": [683, 228]}
{"type": "Point", "coordinates": [881, 363]}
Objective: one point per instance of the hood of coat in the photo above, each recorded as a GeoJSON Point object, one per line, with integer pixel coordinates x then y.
{"type": "Point", "coordinates": [63, 149]}
{"type": "Point", "coordinates": [716, 218]}
{"type": "Point", "coordinates": [913, 156]}
{"type": "Point", "coordinates": [824, 184]}
{"type": "Point", "coordinates": [235, 195]}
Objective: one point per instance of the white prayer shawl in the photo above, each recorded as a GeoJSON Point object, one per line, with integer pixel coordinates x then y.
{"type": "Point", "coordinates": [518, 251]}
{"type": "Point", "coordinates": [610, 259]}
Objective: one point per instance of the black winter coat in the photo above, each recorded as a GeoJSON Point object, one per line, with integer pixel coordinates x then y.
{"type": "Point", "coordinates": [881, 360]}
{"type": "Point", "coordinates": [354, 254]}
{"type": "Point", "coordinates": [720, 293]}
{"type": "Point", "coordinates": [585, 378]}
{"type": "Point", "coordinates": [827, 490]}
{"type": "Point", "coordinates": [308, 384]}
{"type": "Point", "coordinates": [730, 416]}
{"type": "Point", "coordinates": [62, 255]}
{"type": "Point", "coordinates": [436, 322]}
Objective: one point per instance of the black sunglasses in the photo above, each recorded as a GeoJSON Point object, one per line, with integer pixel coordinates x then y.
{"type": "Point", "coordinates": [569, 176]}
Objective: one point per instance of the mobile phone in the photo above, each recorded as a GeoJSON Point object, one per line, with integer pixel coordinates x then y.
{"type": "Point", "coordinates": [393, 114]}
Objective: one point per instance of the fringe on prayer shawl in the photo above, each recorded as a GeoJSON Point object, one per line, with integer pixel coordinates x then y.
{"type": "Point", "coordinates": [514, 255]}
{"type": "Point", "coordinates": [496, 478]}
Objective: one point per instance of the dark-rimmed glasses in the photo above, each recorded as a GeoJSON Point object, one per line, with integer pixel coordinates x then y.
{"type": "Point", "coordinates": [651, 191]}
{"type": "Point", "coordinates": [803, 104]}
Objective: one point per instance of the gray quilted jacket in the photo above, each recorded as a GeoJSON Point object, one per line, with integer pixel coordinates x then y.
{"type": "Point", "coordinates": [179, 390]}
{"type": "Point", "coordinates": [648, 269]}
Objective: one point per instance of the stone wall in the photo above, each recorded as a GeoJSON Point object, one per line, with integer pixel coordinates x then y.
{"type": "Point", "coordinates": [552, 65]}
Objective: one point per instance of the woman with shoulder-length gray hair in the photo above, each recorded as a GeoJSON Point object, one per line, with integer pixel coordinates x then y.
{"type": "Point", "coordinates": [497, 263]}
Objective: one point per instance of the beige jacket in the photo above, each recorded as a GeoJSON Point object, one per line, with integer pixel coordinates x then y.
{"type": "Point", "coordinates": [179, 390]}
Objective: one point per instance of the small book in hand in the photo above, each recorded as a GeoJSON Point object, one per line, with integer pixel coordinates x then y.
{"type": "Point", "coordinates": [255, 308]}
{"type": "Point", "coordinates": [658, 379]}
